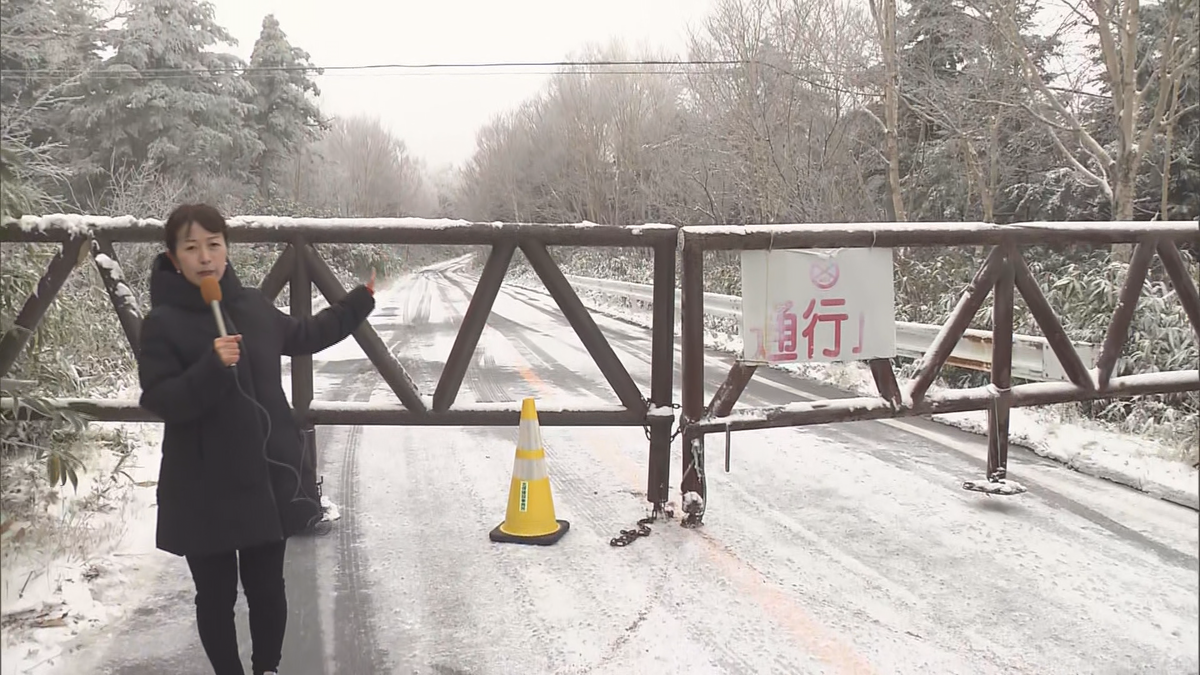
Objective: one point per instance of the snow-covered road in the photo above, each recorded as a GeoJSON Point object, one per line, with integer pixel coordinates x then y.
{"type": "Point", "coordinates": [834, 549]}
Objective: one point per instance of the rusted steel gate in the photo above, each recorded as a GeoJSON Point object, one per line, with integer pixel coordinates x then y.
{"type": "Point", "coordinates": [301, 266]}
{"type": "Point", "coordinates": [1003, 270]}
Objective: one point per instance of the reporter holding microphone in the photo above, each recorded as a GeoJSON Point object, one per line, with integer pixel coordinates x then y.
{"type": "Point", "coordinates": [229, 490]}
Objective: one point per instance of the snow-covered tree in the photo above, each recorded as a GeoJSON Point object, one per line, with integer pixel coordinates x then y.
{"type": "Point", "coordinates": [165, 99]}
{"type": "Point", "coordinates": [45, 47]}
{"type": "Point", "coordinates": [284, 117]}
{"type": "Point", "coordinates": [1137, 58]}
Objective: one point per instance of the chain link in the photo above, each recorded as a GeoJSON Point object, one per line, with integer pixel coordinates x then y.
{"type": "Point", "coordinates": [646, 427]}
{"type": "Point", "coordinates": [627, 537]}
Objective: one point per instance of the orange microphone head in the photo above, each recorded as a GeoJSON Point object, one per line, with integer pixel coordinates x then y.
{"type": "Point", "coordinates": [210, 290]}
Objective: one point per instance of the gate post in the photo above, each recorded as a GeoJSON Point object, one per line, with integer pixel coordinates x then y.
{"type": "Point", "coordinates": [1002, 349]}
{"type": "Point", "coordinates": [692, 337]}
{"type": "Point", "coordinates": [300, 304]}
{"type": "Point", "coordinates": [662, 376]}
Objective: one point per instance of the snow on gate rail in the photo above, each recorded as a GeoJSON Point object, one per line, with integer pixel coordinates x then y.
{"type": "Point", "coordinates": [301, 266]}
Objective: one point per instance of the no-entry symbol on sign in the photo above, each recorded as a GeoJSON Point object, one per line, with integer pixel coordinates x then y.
{"type": "Point", "coordinates": [824, 273]}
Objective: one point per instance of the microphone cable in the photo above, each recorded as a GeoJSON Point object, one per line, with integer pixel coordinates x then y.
{"type": "Point", "coordinates": [296, 496]}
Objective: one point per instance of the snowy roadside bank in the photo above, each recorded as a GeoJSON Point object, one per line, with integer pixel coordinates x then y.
{"type": "Point", "coordinates": [1082, 445]}
{"type": "Point", "coordinates": [84, 567]}
{"type": "Point", "coordinates": [72, 558]}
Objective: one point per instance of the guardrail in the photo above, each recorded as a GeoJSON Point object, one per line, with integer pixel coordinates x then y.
{"type": "Point", "coordinates": [1033, 357]}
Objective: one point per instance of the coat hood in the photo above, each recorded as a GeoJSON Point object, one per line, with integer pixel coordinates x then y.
{"type": "Point", "coordinates": [169, 287]}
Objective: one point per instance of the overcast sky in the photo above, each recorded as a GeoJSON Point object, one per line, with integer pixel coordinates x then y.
{"type": "Point", "coordinates": [438, 113]}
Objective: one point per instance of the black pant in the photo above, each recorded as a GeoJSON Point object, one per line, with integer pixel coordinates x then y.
{"type": "Point", "coordinates": [216, 578]}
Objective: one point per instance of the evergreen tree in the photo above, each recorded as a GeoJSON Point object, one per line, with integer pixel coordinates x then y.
{"type": "Point", "coordinates": [44, 44]}
{"type": "Point", "coordinates": [45, 48]}
{"type": "Point", "coordinates": [284, 117]}
{"type": "Point", "coordinates": [165, 100]}
{"type": "Point", "coordinates": [969, 146]}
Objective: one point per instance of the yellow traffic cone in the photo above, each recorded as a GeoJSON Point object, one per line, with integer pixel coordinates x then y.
{"type": "Point", "coordinates": [530, 516]}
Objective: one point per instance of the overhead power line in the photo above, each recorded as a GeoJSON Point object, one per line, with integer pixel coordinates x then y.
{"type": "Point", "coordinates": [179, 76]}
{"type": "Point", "coordinates": [484, 68]}
{"type": "Point", "coordinates": [482, 65]}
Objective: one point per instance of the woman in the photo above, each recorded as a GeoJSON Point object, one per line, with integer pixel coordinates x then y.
{"type": "Point", "coordinates": [229, 493]}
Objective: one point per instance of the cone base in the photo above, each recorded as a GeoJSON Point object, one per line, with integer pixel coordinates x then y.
{"type": "Point", "coordinates": [501, 537]}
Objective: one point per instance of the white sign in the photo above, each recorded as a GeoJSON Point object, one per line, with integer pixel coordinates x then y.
{"type": "Point", "coordinates": [814, 305]}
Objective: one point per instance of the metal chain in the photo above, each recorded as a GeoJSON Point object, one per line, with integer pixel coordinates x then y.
{"type": "Point", "coordinates": [646, 427]}
{"type": "Point", "coordinates": [679, 425]}
{"type": "Point", "coordinates": [694, 519]}
{"type": "Point", "coordinates": [627, 537]}
{"type": "Point", "coordinates": [642, 529]}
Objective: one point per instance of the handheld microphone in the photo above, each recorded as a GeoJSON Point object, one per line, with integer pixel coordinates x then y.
{"type": "Point", "coordinates": [210, 290]}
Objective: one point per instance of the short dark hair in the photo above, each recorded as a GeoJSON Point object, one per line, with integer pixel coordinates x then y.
{"type": "Point", "coordinates": [204, 215]}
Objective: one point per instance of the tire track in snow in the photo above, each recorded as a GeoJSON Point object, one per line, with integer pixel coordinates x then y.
{"type": "Point", "coordinates": [445, 609]}
{"type": "Point", "coordinates": [477, 518]}
{"type": "Point", "coordinates": [731, 658]}
{"type": "Point", "coordinates": [600, 513]}
{"type": "Point", "coordinates": [479, 378]}
{"type": "Point", "coordinates": [416, 309]}
{"type": "Point", "coordinates": [441, 625]}
{"type": "Point", "coordinates": [356, 646]}
{"type": "Point", "coordinates": [577, 493]}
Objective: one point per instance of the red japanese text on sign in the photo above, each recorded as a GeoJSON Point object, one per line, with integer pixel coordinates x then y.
{"type": "Point", "coordinates": [786, 328]}
{"type": "Point", "coordinates": [815, 317]}
{"type": "Point", "coordinates": [810, 306]}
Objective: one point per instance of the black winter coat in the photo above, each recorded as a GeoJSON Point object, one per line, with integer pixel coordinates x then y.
{"type": "Point", "coordinates": [216, 491]}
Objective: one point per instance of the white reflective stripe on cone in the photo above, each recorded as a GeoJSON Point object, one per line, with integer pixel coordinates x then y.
{"type": "Point", "coordinates": [529, 437]}
{"type": "Point", "coordinates": [530, 469]}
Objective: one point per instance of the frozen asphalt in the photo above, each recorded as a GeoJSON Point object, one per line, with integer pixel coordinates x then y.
{"type": "Point", "coordinates": [834, 549]}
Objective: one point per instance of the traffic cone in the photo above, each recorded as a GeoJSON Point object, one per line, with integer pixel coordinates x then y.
{"type": "Point", "coordinates": [530, 516]}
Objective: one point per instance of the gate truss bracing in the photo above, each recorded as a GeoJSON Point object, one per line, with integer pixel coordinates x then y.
{"type": "Point", "coordinates": [300, 266]}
